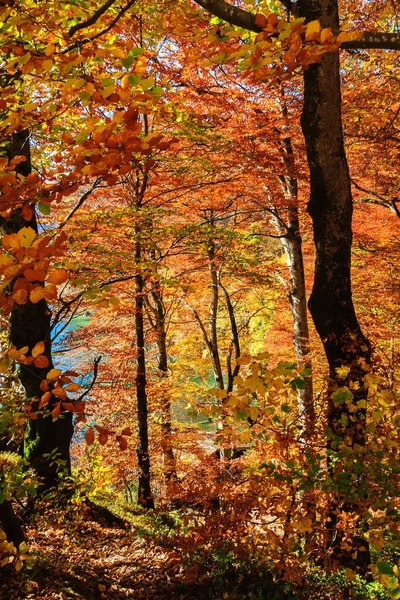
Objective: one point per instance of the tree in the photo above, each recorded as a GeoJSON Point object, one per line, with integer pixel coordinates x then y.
{"type": "Point", "coordinates": [330, 207]}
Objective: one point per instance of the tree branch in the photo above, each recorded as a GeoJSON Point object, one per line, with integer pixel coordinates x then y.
{"type": "Point", "coordinates": [246, 20]}
{"type": "Point", "coordinates": [95, 372]}
{"type": "Point", "coordinates": [92, 20]}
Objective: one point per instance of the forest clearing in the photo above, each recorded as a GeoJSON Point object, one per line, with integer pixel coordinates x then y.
{"type": "Point", "coordinates": [200, 299]}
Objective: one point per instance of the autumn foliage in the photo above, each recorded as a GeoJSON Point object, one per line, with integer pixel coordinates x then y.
{"type": "Point", "coordinates": [171, 196]}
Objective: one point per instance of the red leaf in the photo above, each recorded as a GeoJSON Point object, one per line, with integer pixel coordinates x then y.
{"type": "Point", "coordinates": [89, 436]}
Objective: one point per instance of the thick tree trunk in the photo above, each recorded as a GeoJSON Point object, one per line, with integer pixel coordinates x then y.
{"type": "Point", "coordinates": [331, 302]}
{"type": "Point", "coordinates": [29, 324]}
{"type": "Point", "coordinates": [145, 497]}
{"type": "Point", "coordinates": [10, 524]}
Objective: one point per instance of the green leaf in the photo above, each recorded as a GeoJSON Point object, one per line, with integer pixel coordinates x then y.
{"type": "Point", "coordinates": [82, 136]}
{"type": "Point", "coordinates": [107, 82]}
{"type": "Point", "coordinates": [44, 208]}
{"type": "Point", "coordinates": [134, 80]}
{"type": "Point", "coordinates": [384, 567]}
{"type": "Point", "coordinates": [134, 53]}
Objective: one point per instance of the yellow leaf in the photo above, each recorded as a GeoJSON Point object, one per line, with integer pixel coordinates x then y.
{"type": "Point", "coordinates": [107, 91]}
{"type": "Point", "coordinates": [53, 374]}
{"type": "Point", "coordinates": [49, 50]}
{"type": "Point", "coordinates": [18, 565]}
{"type": "Point", "coordinates": [36, 294]}
{"type": "Point", "coordinates": [47, 65]}
{"type": "Point", "coordinates": [349, 36]}
{"type": "Point", "coordinates": [6, 259]}
{"type": "Point", "coordinates": [312, 31]}
{"type": "Point", "coordinates": [342, 371]}
{"type": "Point", "coordinates": [38, 349]}
{"type": "Point", "coordinates": [26, 235]}
{"type": "Point", "coordinates": [73, 387]}
{"type": "Point", "coordinates": [253, 412]}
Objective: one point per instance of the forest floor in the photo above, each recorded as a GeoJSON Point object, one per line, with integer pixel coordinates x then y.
{"type": "Point", "coordinates": [88, 558]}
{"type": "Point", "coordinates": [89, 553]}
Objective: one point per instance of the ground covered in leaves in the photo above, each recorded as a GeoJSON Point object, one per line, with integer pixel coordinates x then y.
{"type": "Point", "coordinates": [88, 557]}
{"type": "Point", "coordinates": [88, 553]}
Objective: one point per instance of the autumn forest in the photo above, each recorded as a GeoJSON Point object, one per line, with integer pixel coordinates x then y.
{"type": "Point", "coordinates": [200, 299]}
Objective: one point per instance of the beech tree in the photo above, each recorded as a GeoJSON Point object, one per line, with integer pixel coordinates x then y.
{"type": "Point", "coordinates": [331, 208]}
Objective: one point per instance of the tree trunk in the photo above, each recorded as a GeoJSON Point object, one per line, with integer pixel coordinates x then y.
{"type": "Point", "coordinates": [213, 339]}
{"type": "Point", "coordinates": [145, 497]}
{"type": "Point", "coordinates": [331, 304]}
{"type": "Point", "coordinates": [289, 228]}
{"type": "Point", "coordinates": [10, 524]}
{"type": "Point", "coordinates": [29, 324]}
{"type": "Point", "coordinates": [158, 310]}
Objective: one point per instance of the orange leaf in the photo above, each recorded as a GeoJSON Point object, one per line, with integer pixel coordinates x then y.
{"type": "Point", "coordinates": [36, 294]}
{"type": "Point", "coordinates": [20, 296]}
{"type": "Point", "coordinates": [73, 387]}
{"type": "Point", "coordinates": [79, 407]}
{"type": "Point", "coordinates": [103, 438]}
{"type": "Point", "coordinates": [38, 349]}
{"type": "Point", "coordinates": [32, 275]}
{"type": "Point", "coordinates": [27, 212]}
{"type": "Point", "coordinates": [45, 399]}
{"type": "Point", "coordinates": [56, 411]}
{"type": "Point", "coordinates": [44, 385]}
{"type": "Point", "coordinates": [123, 444]}
{"type": "Point", "coordinates": [41, 362]}
{"type": "Point", "coordinates": [126, 431]}
{"type": "Point", "coordinates": [57, 276]}
{"type": "Point", "coordinates": [260, 20]}
{"type": "Point", "coordinates": [50, 292]}
{"type": "Point", "coordinates": [312, 31]}
{"type": "Point", "coordinates": [89, 436]}
{"type": "Point", "coordinates": [60, 392]}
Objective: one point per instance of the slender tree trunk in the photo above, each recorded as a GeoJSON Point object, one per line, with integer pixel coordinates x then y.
{"type": "Point", "coordinates": [29, 324]}
{"type": "Point", "coordinates": [289, 228]}
{"type": "Point", "coordinates": [212, 321]}
{"type": "Point", "coordinates": [145, 497]}
{"type": "Point", "coordinates": [235, 342]}
{"type": "Point", "coordinates": [331, 304]}
{"type": "Point", "coordinates": [158, 311]}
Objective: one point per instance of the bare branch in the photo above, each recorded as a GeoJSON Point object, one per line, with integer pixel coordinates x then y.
{"type": "Point", "coordinates": [79, 203]}
{"type": "Point", "coordinates": [95, 372]}
{"type": "Point", "coordinates": [391, 204]}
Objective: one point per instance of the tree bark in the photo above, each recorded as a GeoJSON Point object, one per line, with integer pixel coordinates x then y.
{"type": "Point", "coordinates": [10, 524]}
{"type": "Point", "coordinates": [287, 225]}
{"type": "Point", "coordinates": [159, 314]}
{"type": "Point", "coordinates": [145, 497]}
{"type": "Point", "coordinates": [29, 324]}
{"type": "Point", "coordinates": [331, 304]}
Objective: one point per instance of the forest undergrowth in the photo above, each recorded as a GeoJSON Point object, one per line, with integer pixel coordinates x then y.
{"type": "Point", "coordinates": [119, 551]}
